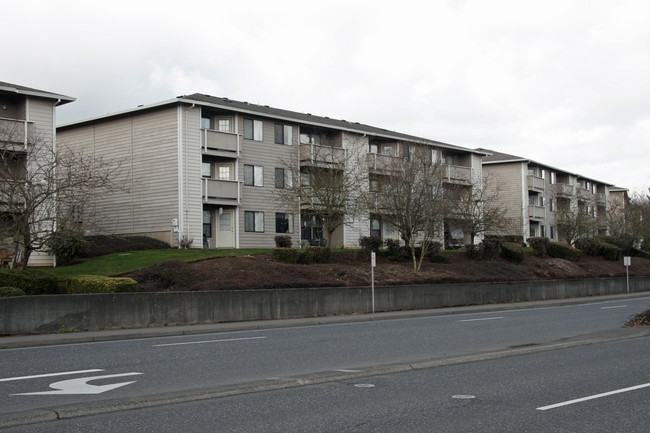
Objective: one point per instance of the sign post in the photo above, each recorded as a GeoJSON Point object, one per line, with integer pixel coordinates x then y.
{"type": "Point", "coordinates": [373, 263]}
{"type": "Point", "coordinates": [627, 261]}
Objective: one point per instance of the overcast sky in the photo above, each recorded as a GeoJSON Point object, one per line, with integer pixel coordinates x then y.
{"type": "Point", "coordinates": [562, 82]}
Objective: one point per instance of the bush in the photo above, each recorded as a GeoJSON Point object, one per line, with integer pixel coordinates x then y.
{"type": "Point", "coordinates": [624, 242]}
{"type": "Point", "coordinates": [31, 281]}
{"type": "Point", "coordinates": [513, 251]}
{"type": "Point", "coordinates": [440, 258]}
{"type": "Point", "coordinates": [394, 248]}
{"type": "Point", "coordinates": [563, 251]}
{"type": "Point", "coordinates": [285, 255]}
{"type": "Point", "coordinates": [312, 255]}
{"type": "Point", "coordinates": [540, 245]}
{"type": "Point", "coordinates": [5, 292]}
{"type": "Point", "coordinates": [370, 243]}
{"type": "Point", "coordinates": [77, 284]}
{"type": "Point", "coordinates": [67, 244]}
{"type": "Point", "coordinates": [283, 241]}
{"type": "Point", "coordinates": [507, 238]}
{"type": "Point", "coordinates": [635, 252]}
{"type": "Point", "coordinates": [473, 251]}
{"type": "Point", "coordinates": [491, 248]}
{"type": "Point", "coordinates": [597, 247]}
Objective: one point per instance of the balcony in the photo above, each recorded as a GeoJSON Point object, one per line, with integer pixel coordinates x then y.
{"type": "Point", "coordinates": [457, 174]}
{"type": "Point", "coordinates": [536, 183]}
{"type": "Point", "coordinates": [14, 132]}
{"type": "Point", "coordinates": [382, 163]}
{"type": "Point", "coordinates": [219, 143]}
{"type": "Point", "coordinates": [564, 190]}
{"type": "Point", "coordinates": [536, 212]}
{"type": "Point", "coordinates": [322, 156]}
{"type": "Point", "coordinates": [221, 192]}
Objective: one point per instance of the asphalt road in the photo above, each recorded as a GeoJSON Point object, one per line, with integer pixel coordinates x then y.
{"type": "Point", "coordinates": [580, 389]}
{"type": "Point", "coordinates": [72, 380]}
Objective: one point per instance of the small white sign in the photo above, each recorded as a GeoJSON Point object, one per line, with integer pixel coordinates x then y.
{"type": "Point", "coordinates": [627, 261]}
{"type": "Point", "coordinates": [373, 259]}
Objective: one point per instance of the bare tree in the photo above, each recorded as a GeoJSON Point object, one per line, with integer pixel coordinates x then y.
{"type": "Point", "coordinates": [575, 222]}
{"type": "Point", "coordinates": [630, 218]}
{"type": "Point", "coordinates": [477, 210]}
{"type": "Point", "coordinates": [44, 188]}
{"type": "Point", "coordinates": [410, 194]}
{"type": "Point", "coordinates": [325, 182]}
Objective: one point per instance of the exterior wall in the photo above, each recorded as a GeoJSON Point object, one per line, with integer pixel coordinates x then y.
{"type": "Point", "coordinates": [147, 146]}
{"type": "Point", "coordinates": [189, 162]}
{"type": "Point", "coordinates": [510, 180]}
{"type": "Point", "coordinates": [268, 155]}
{"type": "Point", "coordinates": [357, 148]}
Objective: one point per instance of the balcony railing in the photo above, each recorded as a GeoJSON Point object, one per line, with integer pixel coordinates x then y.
{"type": "Point", "coordinates": [13, 131]}
{"type": "Point", "coordinates": [457, 174]}
{"type": "Point", "coordinates": [536, 183]}
{"type": "Point", "coordinates": [537, 212]}
{"type": "Point", "coordinates": [219, 143]}
{"type": "Point", "coordinates": [220, 191]}
{"type": "Point", "coordinates": [564, 190]}
{"type": "Point", "coordinates": [321, 155]}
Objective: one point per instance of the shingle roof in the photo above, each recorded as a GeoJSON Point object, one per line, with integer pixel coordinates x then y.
{"type": "Point", "coordinates": [307, 118]}
{"type": "Point", "coordinates": [22, 90]}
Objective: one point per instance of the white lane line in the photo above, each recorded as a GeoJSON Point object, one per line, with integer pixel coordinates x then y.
{"type": "Point", "coordinates": [349, 371]}
{"type": "Point", "coordinates": [209, 341]}
{"type": "Point", "coordinates": [592, 397]}
{"type": "Point", "coordinates": [615, 306]}
{"type": "Point", "coordinates": [478, 320]}
{"type": "Point", "coordinates": [37, 376]}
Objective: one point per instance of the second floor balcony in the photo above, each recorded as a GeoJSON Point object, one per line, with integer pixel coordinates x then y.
{"type": "Point", "coordinates": [219, 143]}
{"type": "Point", "coordinates": [221, 192]}
{"type": "Point", "coordinates": [536, 212]}
{"type": "Point", "coordinates": [457, 174]}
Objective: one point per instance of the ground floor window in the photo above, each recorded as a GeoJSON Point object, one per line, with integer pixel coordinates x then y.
{"type": "Point", "coordinates": [375, 227]}
{"type": "Point", "coordinates": [284, 223]}
{"type": "Point", "coordinates": [253, 221]}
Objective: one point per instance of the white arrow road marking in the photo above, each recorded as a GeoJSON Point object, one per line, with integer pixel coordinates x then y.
{"type": "Point", "coordinates": [80, 386]}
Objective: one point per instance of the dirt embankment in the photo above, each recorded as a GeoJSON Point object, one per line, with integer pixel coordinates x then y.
{"type": "Point", "coordinates": [353, 269]}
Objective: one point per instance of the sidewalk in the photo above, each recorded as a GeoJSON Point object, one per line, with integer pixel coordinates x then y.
{"type": "Point", "coordinates": [21, 341]}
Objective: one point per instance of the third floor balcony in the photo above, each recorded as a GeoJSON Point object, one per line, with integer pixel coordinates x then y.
{"type": "Point", "coordinates": [14, 132]}
{"type": "Point", "coordinates": [220, 143]}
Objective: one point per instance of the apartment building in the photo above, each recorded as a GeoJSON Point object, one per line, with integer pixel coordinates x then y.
{"type": "Point", "coordinates": [534, 194]}
{"type": "Point", "coordinates": [209, 169]}
{"type": "Point", "coordinates": [27, 116]}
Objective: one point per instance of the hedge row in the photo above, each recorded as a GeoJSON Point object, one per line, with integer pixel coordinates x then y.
{"type": "Point", "coordinates": [563, 251]}
{"type": "Point", "coordinates": [598, 247]}
{"type": "Point", "coordinates": [97, 284]}
{"type": "Point", "coordinates": [36, 282]}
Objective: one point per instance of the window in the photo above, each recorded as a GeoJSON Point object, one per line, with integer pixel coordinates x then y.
{"type": "Point", "coordinates": [283, 178]}
{"type": "Point", "coordinates": [375, 227]}
{"type": "Point", "coordinates": [309, 138]}
{"type": "Point", "coordinates": [224, 172]}
{"type": "Point", "coordinates": [543, 174]}
{"type": "Point", "coordinates": [374, 148]}
{"type": "Point", "coordinates": [449, 159]}
{"type": "Point", "coordinates": [552, 232]}
{"type": "Point", "coordinates": [206, 170]}
{"type": "Point", "coordinates": [553, 205]}
{"type": "Point", "coordinates": [253, 175]}
{"type": "Point", "coordinates": [284, 223]}
{"type": "Point", "coordinates": [374, 185]}
{"type": "Point", "coordinates": [253, 130]}
{"type": "Point", "coordinates": [223, 125]}
{"type": "Point", "coordinates": [553, 178]}
{"type": "Point", "coordinates": [387, 150]}
{"type": "Point", "coordinates": [542, 231]}
{"type": "Point", "coordinates": [542, 201]}
{"type": "Point", "coordinates": [283, 134]}
{"type": "Point", "coordinates": [253, 221]}
{"type": "Point", "coordinates": [205, 123]}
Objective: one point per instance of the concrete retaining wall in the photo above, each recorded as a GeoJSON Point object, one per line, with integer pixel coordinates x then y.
{"type": "Point", "coordinates": [52, 313]}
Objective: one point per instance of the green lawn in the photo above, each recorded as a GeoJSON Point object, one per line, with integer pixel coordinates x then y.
{"type": "Point", "coordinates": [121, 263]}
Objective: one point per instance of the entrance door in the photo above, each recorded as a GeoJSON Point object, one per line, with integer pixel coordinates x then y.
{"type": "Point", "coordinates": [226, 229]}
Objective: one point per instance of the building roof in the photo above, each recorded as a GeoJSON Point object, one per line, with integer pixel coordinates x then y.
{"type": "Point", "coordinates": [28, 91]}
{"type": "Point", "coordinates": [494, 157]}
{"type": "Point", "coordinates": [279, 114]}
